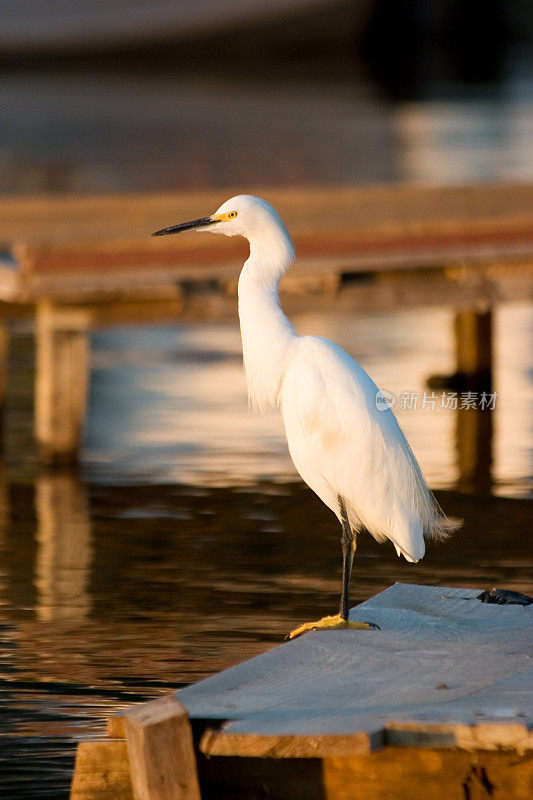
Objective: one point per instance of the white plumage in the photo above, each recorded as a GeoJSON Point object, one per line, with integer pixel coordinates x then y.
{"type": "Point", "coordinates": [344, 448]}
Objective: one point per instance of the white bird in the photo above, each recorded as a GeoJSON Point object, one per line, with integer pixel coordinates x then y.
{"type": "Point", "coordinates": [354, 456]}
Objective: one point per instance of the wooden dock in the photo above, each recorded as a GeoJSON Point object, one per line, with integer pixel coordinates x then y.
{"type": "Point", "coordinates": [436, 704]}
{"type": "Point", "coordinates": [82, 262]}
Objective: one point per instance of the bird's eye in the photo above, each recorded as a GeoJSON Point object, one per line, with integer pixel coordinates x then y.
{"type": "Point", "coordinates": [232, 214]}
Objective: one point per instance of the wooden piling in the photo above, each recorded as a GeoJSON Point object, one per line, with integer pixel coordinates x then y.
{"type": "Point", "coordinates": [61, 381]}
{"type": "Point", "coordinates": [161, 752]}
{"type": "Point", "coordinates": [473, 348]}
{"type": "Point", "coordinates": [4, 356]}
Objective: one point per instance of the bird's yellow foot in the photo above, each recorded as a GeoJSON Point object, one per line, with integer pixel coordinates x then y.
{"type": "Point", "coordinates": [331, 623]}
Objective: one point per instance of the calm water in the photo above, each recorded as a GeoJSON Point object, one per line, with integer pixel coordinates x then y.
{"type": "Point", "coordinates": [186, 545]}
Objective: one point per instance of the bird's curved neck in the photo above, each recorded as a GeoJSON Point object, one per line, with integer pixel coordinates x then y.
{"type": "Point", "coordinates": [265, 330]}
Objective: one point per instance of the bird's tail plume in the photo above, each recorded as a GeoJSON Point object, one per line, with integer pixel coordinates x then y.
{"type": "Point", "coordinates": [441, 528]}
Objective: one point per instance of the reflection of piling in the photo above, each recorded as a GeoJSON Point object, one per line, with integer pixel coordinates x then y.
{"type": "Point", "coordinates": [474, 429]}
{"type": "Point", "coordinates": [64, 547]}
{"type": "Point", "coordinates": [4, 502]}
{"type": "Point", "coordinates": [4, 522]}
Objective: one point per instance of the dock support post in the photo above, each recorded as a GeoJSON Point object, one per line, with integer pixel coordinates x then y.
{"type": "Point", "coordinates": [474, 353]}
{"type": "Point", "coordinates": [4, 356]}
{"type": "Point", "coordinates": [473, 348]}
{"type": "Point", "coordinates": [61, 381]}
{"type": "Point", "coordinates": [161, 751]}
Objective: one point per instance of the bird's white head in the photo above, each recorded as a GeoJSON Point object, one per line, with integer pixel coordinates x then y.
{"type": "Point", "coordinates": [248, 216]}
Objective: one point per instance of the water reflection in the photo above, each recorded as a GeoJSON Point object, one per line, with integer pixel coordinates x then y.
{"type": "Point", "coordinates": [63, 538]}
{"type": "Point", "coordinates": [4, 522]}
{"type": "Point", "coordinates": [474, 449]}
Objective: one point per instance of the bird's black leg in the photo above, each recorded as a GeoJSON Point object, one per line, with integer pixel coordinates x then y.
{"type": "Point", "coordinates": [340, 620]}
{"type": "Point", "coordinates": [348, 542]}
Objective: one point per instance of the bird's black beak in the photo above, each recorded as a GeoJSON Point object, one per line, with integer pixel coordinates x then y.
{"type": "Point", "coordinates": [186, 226]}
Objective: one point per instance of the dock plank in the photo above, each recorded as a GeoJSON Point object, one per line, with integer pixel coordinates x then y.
{"type": "Point", "coordinates": [82, 249]}
{"type": "Point", "coordinates": [391, 209]}
{"type": "Point", "coordinates": [445, 670]}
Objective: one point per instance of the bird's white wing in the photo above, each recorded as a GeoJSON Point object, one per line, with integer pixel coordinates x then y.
{"type": "Point", "coordinates": [343, 445]}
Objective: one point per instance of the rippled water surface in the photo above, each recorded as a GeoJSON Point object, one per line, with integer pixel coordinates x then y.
{"type": "Point", "coordinates": [186, 544]}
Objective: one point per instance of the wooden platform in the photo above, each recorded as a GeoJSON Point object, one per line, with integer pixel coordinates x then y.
{"type": "Point", "coordinates": [438, 703]}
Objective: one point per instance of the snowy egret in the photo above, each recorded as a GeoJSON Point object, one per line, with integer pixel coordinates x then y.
{"type": "Point", "coordinates": [345, 445]}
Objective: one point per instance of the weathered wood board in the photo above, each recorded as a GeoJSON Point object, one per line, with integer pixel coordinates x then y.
{"type": "Point", "coordinates": [394, 208]}
{"type": "Point", "coordinates": [160, 751]}
{"type": "Point", "coordinates": [102, 771]}
{"type": "Point", "coordinates": [444, 670]}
